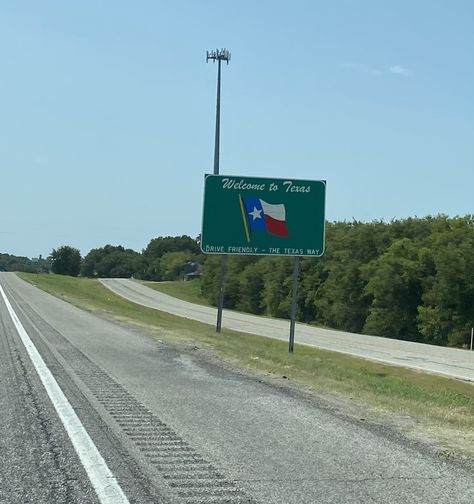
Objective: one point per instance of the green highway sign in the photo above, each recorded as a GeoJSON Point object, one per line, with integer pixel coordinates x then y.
{"type": "Point", "coordinates": [263, 216]}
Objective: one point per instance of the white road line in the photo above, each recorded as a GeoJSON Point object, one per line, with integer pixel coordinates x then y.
{"type": "Point", "coordinates": [104, 482]}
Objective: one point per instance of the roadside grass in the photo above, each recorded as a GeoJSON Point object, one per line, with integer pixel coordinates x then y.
{"type": "Point", "coordinates": [437, 408]}
{"type": "Point", "coordinates": [186, 291]}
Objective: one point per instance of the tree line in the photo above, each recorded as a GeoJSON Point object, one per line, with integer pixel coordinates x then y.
{"type": "Point", "coordinates": [10, 262]}
{"type": "Point", "coordinates": [163, 259]}
{"type": "Point", "coordinates": [410, 279]}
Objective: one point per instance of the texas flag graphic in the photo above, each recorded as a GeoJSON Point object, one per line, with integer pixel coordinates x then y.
{"type": "Point", "coordinates": [262, 216]}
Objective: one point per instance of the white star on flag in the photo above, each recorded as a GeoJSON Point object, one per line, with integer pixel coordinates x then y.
{"type": "Point", "coordinates": [255, 213]}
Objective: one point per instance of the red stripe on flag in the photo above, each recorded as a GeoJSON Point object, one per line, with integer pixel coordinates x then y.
{"type": "Point", "coordinates": [276, 227]}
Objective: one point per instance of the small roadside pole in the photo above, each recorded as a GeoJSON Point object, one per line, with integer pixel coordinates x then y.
{"type": "Point", "coordinates": [472, 335]}
{"type": "Point", "coordinates": [219, 55]}
{"type": "Point", "coordinates": [296, 268]}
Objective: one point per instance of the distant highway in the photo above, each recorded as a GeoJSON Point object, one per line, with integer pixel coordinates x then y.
{"type": "Point", "coordinates": [451, 362]}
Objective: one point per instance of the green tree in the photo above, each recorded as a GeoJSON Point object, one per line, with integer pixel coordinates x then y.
{"type": "Point", "coordinates": [341, 301]}
{"type": "Point", "coordinates": [277, 284]}
{"type": "Point", "coordinates": [313, 274]}
{"type": "Point", "coordinates": [236, 266]}
{"type": "Point", "coordinates": [113, 262]}
{"type": "Point", "coordinates": [210, 279]}
{"type": "Point", "coordinates": [447, 313]}
{"type": "Point", "coordinates": [66, 260]}
{"type": "Point", "coordinates": [10, 262]}
{"type": "Point", "coordinates": [242, 282]}
{"type": "Point", "coordinates": [251, 283]}
{"type": "Point", "coordinates": [172, 265]}
{"type": "Point", "coordinates": [160, 246]}
{"type": "Point", "coordinates": [395, 288]}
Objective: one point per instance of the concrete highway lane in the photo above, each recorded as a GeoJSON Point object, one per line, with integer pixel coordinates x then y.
{"type": "Point", "coordinates": [450, 362]}
{"type": "Point", "coordinates": [175, 427]}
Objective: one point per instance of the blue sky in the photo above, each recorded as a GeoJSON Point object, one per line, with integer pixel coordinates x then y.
{"type": "Point", "coordinates": [108, 108]}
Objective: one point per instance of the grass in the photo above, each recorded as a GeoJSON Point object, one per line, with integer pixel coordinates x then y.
{"type": "Point", "coordinates": [437, 407]}
{"type": "Point", "coordinates": [187, 291]}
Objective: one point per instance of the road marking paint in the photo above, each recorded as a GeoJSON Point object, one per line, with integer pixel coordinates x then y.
{"type": "Point", "coordinates": [104, 482]}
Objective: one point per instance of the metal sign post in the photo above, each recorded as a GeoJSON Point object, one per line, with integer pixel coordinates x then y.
{"type": "Point", "coordinates": [296, 267]}
{"type": "Point", "coordinates": [472, 335]}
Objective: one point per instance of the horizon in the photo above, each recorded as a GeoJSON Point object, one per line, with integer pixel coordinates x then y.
{"type": "Point", "coordinates": [347, 221]}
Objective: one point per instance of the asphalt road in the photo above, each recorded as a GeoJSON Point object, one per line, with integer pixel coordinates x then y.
{"type": "Point", "coordinates": [175, 427]}
{"type": "Point", "coordinates": [450, 362]}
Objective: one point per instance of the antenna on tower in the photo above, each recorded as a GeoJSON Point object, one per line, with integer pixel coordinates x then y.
{"type": "Point", "coordinates": [218, 55]}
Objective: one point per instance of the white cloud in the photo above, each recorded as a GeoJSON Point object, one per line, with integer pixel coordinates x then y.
{"type": "Point", "coordinates": [399, 70]}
